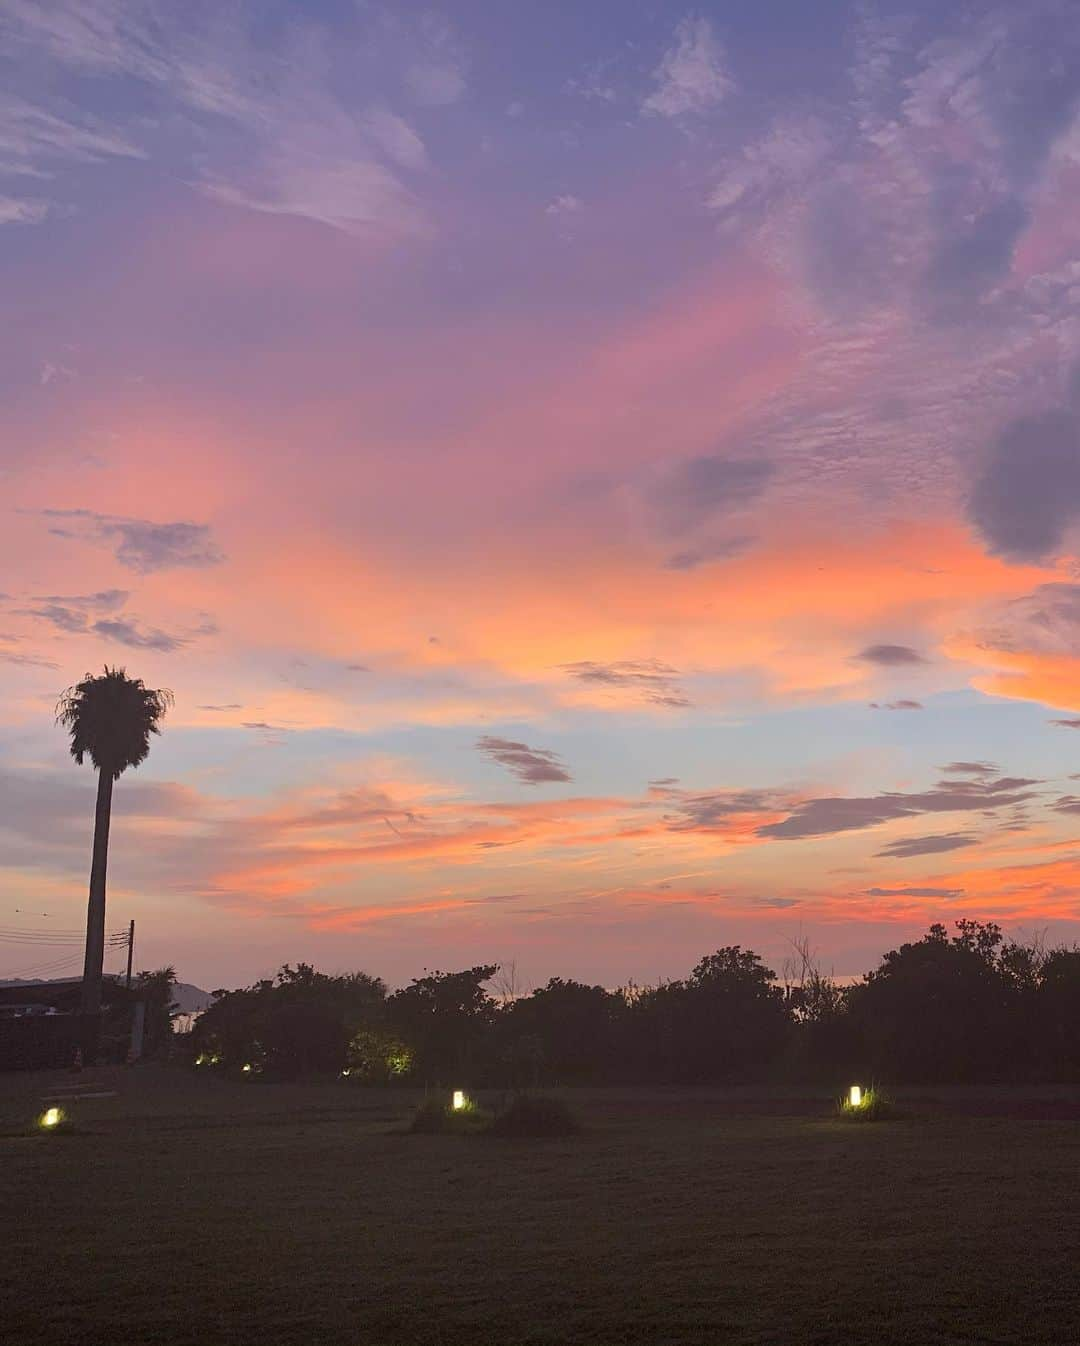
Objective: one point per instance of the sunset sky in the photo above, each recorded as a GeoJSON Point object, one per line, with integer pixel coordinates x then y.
{"type": "Point", "coordinates": [602, 481]}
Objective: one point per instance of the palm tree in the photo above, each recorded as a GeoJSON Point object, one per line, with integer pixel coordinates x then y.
{"type": "Point", "coordinates": [110, 718]}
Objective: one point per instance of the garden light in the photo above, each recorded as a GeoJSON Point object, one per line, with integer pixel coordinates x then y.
{"type": "Point", "coordinates": [459, 1099]}
{"type": "Point", "coordinates": [855, 1096]}
{"type": "Point", "coordinates": [51, 1117]}
{"type": "Point", "coordinates": [247, 1068]}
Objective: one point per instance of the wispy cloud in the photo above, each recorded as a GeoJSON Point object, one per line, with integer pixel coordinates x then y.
{"type": "Point", "coordinates": [827, 816]}
{"type": "Point", "coordinates": [142, 545]}
{"type": "Point", "coordinates": [909, 848]}
{"type": "Point", "coordinates": [890, 656]}
{"type": "Point", "coordinates": [35, 141]}
{"type": "Point", "coordinates": [745, 812]}
{"type": "Point", "coordinates": [692, 75]}
{"type": "Point", "coordinates": [282, 142]}
{"type": "Point", "coordinates": [100, 614]}
{"type": "Point", "coordinates": [22, 210]}
{"type": "Point", "coordinates": [566, 204]}
{"type": "Point", "coordinates": [105, 600]}
{"type": "Point", "coordinates": [649, 679]}
{"type": "Point", "coordinates": [435, 76]}
{"type": "Point", "coordinates": [128, 632]}
{"type": "Point", "coordinates": [699, 490]}
{"type": "Point", "coordinates": [27, 660]}
{"type": "Point", "coordinates": [943, 893]}
{"type": "Point", "coordinates": [532, 766]}
{"type": "Point", "coordinates": [63, 618]}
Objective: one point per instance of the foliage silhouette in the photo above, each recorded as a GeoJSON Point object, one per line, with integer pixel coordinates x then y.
{"type": "Point", "coordinates": [970, 1007]}
{"type": "Point", "coordinates": [300, 1022]}
{"type": "Point", "coordinates": [447, 1017]}
{"type": "Point", "coordinates": [157, 988]}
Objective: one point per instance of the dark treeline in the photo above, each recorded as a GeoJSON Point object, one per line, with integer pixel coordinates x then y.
{"type": "Point", "coordinates": [966, 1008]}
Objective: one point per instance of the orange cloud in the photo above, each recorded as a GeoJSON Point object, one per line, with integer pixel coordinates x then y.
{"type": "Point", "coordinates": [1029, 675]}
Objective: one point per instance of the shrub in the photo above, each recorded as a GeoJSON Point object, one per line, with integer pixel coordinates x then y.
{"type": "Point", "coordinates": [528, 1115]}
{"type": "Point", "coordinates": [875, 1107]}
{"type": "Point", "coordinates": [436, 1117]}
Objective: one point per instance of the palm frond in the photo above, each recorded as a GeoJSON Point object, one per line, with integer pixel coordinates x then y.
{"type": "Point", "coordinates": [110, 718]}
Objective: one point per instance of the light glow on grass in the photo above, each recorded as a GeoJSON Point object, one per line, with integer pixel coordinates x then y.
{"type": "Point", "coordinates": [459, 1099]}
{"type": "Point", "coordinates": [52, 1117]}
{"type": "Point", "coordinates": [862, 1104]}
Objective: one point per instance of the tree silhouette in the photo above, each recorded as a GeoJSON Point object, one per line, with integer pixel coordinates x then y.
{"type": "Point", "coordinates": [110, 719]}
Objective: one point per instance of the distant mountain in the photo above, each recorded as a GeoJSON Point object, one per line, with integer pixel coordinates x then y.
{"type": "Point", "coordinates": [191, 999]}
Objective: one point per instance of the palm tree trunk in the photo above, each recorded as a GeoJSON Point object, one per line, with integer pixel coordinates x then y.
{"type": "Point", "coordinates": [95, 911]}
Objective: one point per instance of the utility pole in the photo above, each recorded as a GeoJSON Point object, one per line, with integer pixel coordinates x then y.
{"type": "Point", "coordinates": [131, 950]}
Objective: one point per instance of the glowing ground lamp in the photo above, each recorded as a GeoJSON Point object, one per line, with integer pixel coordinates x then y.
{"type": "Point", "coordinates": [51, 1118]}
{"type": "Point", "coordinates": [458, 1100]}
{"type": "Point", "coordinates": [855, 1098]}
{"type": "Point", "coordinates": [247, 1068]}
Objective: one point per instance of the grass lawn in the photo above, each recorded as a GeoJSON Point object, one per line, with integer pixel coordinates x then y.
{"type": "Point", "coordinates": [191, 1210]}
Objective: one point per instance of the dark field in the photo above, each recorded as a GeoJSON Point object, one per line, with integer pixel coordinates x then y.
{"type": "Point", "coordinates": [191, 1210]}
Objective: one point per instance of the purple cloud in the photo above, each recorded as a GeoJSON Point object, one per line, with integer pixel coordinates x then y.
{"type": "Point", "coordinates": [824, 817]}
{"type": "Point", "coordinates": [890, 656]}
{"type": "Point", "coordinates": [532, 766]}
{"type": "Point", "coordinates": [657, 682]}
{"type": "Point", "coordinates": [944, 893]}
{"type": "Point", "coordinates": [141, 545]}
{"type": "Point", "coordinates": [911, 847]}
{"type": "Point", "coordinates": [1027, 493]}
{"type": "Point", "coordinates": [127, 632]}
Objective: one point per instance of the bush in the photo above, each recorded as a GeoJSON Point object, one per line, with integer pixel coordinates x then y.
{"type": "Point", "coordinates": [528, 1115]}
{"type": "Point", "coordinates": [875, 1107]}
{"type": "Point", "coordinates": [436, 1117]}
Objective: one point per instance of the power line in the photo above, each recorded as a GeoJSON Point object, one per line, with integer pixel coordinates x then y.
{"type": "Point", "coordinates": [54, 939]}
{"type": "Point", "coordinates": [42, 930]}
{"type": "Point", "coordinates": [28, 916]}
{"type": "Point", "coordinates": [40, 943]}
{"type": "Point", "coordinates": [36, 971]}
{"type": "Point", "coordinates": [59, 941]}
{"type": "Point", "coordinates": [39, 934]}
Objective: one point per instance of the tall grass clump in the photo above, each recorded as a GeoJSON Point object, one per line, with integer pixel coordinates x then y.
{"type": "Point", "coordinates": [529, 1115]}
{"type": "Point", "coordinates": [874, 1107]}
{"type": "Point", "coordinates": [436, 1117]}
